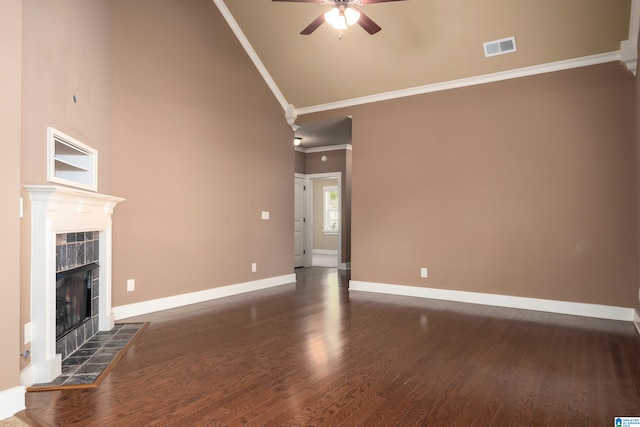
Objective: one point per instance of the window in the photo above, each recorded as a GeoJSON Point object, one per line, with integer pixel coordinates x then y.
{"type": "Point", "coordinates": [331, 209]}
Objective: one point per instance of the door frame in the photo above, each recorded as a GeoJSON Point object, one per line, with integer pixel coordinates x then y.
{"type": "Point", "coordinates": [309, 214]}
{"type": "Point", "coordinates": [304, 216]}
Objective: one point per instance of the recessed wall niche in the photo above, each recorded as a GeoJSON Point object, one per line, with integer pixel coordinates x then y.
{"type": "Point", "coordinates": [71, 162]}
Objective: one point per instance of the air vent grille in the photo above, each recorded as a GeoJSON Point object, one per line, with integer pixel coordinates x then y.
{"type": "Point", "coordinates": [499, 47]}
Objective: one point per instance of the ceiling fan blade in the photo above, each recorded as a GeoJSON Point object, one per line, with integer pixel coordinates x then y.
{"type": "Point", "coordinates": [368, 24]}
{"type": "Point", "coordinates": [370, 1]}
{"type": "Point", "coordinates": [313, 26]}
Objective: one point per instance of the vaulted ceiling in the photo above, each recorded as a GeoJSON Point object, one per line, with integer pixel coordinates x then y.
{"type": "Point", "coordinates": [424, 45]}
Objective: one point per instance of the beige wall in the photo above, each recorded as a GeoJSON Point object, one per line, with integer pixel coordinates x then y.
{"type": "Point", "coordinates": [62, 61]}
{"type": "Point", "coordinates": [300, 162]}
{"type": "Point", "coordinates": [10, 78]}
{"type": "Point", "coordinates": [201, 147]}
{"type": "Point", "coordinates": [523, 187]}
{"type": "Point", "coordinates": [320, 239]}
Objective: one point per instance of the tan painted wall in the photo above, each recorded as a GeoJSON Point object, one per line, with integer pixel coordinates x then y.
{"type": "Point", "coordinates": [320, 239]}
{"type": "Point", "coordinates": [10, 77]}
{"type": "Point", "coordinates": [300, 162]}
{"type": "Point", "coordinates": [60, 61]}
{"type": "Point", "coordinates": [524, 187]}
{"type": "Point", "coordinates": [201, 147]}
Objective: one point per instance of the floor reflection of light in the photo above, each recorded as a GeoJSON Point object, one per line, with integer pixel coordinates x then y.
{"type": "Point", "coordinates": [424, 322]}
{"type": "Point", "coordinates": [325, 346]}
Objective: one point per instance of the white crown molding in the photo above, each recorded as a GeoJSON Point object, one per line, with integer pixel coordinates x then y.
{"type": "Point", "coordinates": [252, 53]}
{"type": "Point", "coordinates": [151, 306]}
{"type": "Point", "coordinates": [536, 304]}
{"type": "Point", "coordinates": [325, 148]}
{"type": "Point", "coordinates": [469, 81]}
{"type": "Point", "coordinates": [629, 48]}
{"type": "Point", "coordinates": [629, 55]}
{"type": "Point", "coordinates": [12, 401]}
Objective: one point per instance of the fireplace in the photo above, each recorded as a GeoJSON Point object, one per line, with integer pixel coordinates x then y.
{"type": "Point", "coordinates": [55, 212]}
{"type": "Point", "coordinates": [73, 299]}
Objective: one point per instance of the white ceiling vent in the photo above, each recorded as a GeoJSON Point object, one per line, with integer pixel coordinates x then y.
{"type": "Point", "coordinates": [499, 47]}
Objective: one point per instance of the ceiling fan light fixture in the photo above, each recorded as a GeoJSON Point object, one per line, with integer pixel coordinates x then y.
{"type": "Point", "coordinates": [336, 18]}
{"type": "Point", "coordinates": [352, 15]}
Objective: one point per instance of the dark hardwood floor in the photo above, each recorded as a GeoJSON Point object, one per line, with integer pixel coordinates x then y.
{"type": "Point", "coordinates": [313, 353]}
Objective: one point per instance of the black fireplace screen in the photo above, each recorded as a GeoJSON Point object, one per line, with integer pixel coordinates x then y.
{"type": "Point", "coordinates": [73, 298]}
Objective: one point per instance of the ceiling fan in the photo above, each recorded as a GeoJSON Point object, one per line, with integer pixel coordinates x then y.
{"type": "Point", "coordinates": [341, 15]}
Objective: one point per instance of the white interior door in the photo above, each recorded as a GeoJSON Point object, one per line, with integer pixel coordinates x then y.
{"type": "Point", "coordinates": [298, 222]}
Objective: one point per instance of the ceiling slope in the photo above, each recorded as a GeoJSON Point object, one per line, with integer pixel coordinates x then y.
{"type": "Point", "coordinates": [425, 45]}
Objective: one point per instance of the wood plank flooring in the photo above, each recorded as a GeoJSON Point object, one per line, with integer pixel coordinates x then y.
{"type": "Point", "coordinates": [315, 354]}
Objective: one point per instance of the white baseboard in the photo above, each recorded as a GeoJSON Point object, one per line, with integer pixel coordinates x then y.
{"type": "Point", "coordinates": [325, 252]}
{"type": "Point", "coordinates": [28, 376]}
{"type": "Point", "coordinates": [551, 306]}
{"type": "Point", "coordinates": [12, 401]}
{"type": "Point", "coordinates": [636, 320]}
{"type": "Point", "coordinates": [151, 306]}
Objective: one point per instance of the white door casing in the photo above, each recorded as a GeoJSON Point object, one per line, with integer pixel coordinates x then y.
{"type": "Point", "coordinates": [299, 221]}
{"type": "Point", "coordinates": [309, 180]}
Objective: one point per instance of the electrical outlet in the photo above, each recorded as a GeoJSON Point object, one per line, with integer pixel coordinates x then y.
{"type": "Point", "coordinates": [265, 214]}
{"type": "Point", "coordinates": [423, 272]}
{"type": "Point", "coordinates": [254, 267]}
{"type": "Point", "coordinates": [131, 285]}
{"type": "Point", "coordinates": [27, 333]}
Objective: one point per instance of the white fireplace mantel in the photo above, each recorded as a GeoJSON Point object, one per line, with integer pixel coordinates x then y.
{"type": "Point", "coordinates": [54, 210]}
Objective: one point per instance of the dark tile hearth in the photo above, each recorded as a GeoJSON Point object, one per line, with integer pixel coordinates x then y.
{"type": "Point", "coordinates": [86, 365]}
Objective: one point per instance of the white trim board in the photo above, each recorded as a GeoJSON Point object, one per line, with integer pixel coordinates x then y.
{"type": "Point", "coordinates": [151, 306]}
{"type": "Point", "coordinates": [584, 61]}
{"type": "Point", "coordinates": [536, 304]}
{"type": "Point", "coordinates": [325, 148]}
{"type": "Point", "coordinates": [636, 320]}
{"type": "Point", "coordinates": [325, 252]}
{"type": "Point", "coordinates": [12, 401]}
{"type": "Point", "coordinates": [251, 52]}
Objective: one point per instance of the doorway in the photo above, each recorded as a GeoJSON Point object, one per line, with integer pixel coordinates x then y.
{"type": "Point", "coordinates": [325, 221]}
{"type": "Point", "coordinates": [323, 153]}
{"type": "Point", "coordinates": [318, 226]}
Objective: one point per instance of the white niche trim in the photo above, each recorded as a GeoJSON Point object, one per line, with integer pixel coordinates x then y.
{"type": "Point", "coordinates": [70, 162]}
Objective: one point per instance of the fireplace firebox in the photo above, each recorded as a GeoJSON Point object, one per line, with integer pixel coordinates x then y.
{"type": "Point", "coordinates": [73, 298]}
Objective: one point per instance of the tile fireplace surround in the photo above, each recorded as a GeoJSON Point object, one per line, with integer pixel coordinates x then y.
{"type": "Point", "coordinates": [56, 210]}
